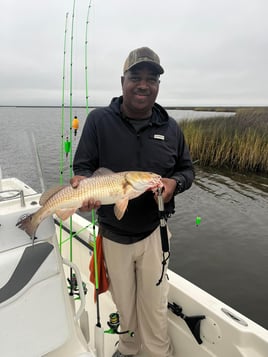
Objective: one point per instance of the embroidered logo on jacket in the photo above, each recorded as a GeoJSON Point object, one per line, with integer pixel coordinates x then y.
{"type": "Point", "coordinates": [159, 137]}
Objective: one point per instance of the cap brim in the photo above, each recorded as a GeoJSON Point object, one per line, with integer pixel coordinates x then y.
{"type": "Point", "coordinates": [157, 68]}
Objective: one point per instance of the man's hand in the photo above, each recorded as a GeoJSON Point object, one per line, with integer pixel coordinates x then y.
{"type": "Point", "coordinates": [87, 205]}
{"type": "Point", "coordinates": [168, 189]}
{"type": "Point", "coordinates": [75, 180]}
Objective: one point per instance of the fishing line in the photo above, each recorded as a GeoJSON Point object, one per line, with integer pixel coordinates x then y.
{"type": "Point", "coordinates": [75, 234]}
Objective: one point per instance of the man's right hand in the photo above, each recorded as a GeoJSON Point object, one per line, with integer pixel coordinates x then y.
{"type": "Point", "coordinates": [87, 205]}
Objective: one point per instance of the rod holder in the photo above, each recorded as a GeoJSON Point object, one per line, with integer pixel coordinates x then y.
{"type": "Point", "coordinates": [22, 199]}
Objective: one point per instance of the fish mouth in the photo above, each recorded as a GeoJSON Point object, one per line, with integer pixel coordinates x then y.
{"type": "Point", "coordinates": [144, 181]}
{"type": "Point", "coordinates": [155, 185]}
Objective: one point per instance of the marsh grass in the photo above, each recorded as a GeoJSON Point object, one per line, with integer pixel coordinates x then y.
{"type": "Point", "coordinates": [238, 142]}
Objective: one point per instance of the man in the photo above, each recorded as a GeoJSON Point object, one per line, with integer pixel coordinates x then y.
{"type": "Point", "coordinates": [135, 133]}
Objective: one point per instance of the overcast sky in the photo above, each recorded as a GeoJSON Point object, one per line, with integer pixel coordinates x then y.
{"type": "Point", "coordinates": [214, 52]}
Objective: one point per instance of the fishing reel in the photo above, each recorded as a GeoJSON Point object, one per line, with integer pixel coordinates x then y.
{"type": "Point", "coordinates": [74, 290]}
{"type": "Point", "coordinates": [114, 323]}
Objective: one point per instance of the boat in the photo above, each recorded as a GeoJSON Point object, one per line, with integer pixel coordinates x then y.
{"type": "Point", "coordinates": [47, 305]}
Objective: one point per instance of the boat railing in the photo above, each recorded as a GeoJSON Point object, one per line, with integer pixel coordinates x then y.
{"type": "Point", "coordinates": [12, 194]}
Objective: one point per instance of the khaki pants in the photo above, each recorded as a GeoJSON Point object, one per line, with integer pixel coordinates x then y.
{"type": "Point", "coordinates": [133, 271]}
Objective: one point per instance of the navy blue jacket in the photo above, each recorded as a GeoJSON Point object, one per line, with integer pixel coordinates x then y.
{"type": "Point", "coordinates": [109, 140]}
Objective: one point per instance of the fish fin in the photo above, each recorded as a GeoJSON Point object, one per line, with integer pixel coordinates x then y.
{"type": "Point", "coordinates": [65, 213]}
{"type": "Point", "coordinates": [120, 208]}
{"type": "Point", "coordinates": [49, 193]}
{"type": "Point", "coordinates": [28, 224]}
{"type": "Point", "coordinates": [102, 171]}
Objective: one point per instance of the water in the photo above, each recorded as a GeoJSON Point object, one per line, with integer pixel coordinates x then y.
{"type": "Point", "coordinates": [227, 254]}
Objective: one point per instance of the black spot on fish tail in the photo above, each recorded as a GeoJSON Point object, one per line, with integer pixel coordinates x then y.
{"type": "Point", "coordinates": [26, 224]}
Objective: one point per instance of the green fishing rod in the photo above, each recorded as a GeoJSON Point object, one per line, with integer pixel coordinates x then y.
{"type": "Point", "coordinates": [99, 332]}
{"type": "Point", "coordinates": [87, 111]}
{"type": "Point", "coordinates": [62, 149]}
{"type": "Point", "coordinates": [86, 57]}
{"type": "Point", "coordinates": [71, 133]}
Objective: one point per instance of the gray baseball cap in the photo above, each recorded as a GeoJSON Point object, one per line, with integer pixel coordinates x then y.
{"type": "Point", "coordinates": [143, 55]}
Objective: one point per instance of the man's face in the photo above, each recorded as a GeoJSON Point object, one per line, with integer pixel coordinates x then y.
{"type": "Point", "coordinates": [140, 87]}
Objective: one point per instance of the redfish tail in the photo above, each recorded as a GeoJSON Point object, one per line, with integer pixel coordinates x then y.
{"type": "Point", "coordinates": [28, 224]}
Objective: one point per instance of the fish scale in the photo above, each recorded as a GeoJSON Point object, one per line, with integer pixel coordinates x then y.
{"type": "Point", "coordinates": [101, 188]}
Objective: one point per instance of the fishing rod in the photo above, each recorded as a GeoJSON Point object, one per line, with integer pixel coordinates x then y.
{"type": "Point", "coordinates": [163, 233]}
{"type": "Point", "coordinates": [63, 101]}
{"type": "Point", "coordinates": [86, 57]}
{"type": "Point", "coordinates": [38, 163]}
{"type": "Point", "coordinates": [63, 145]}
{"type": "Point", "coordinates": [99, 332]}
{"type": "Point", "coordinates": [71, 91]}
{"type": "Point", "coordinates": [70, 135]}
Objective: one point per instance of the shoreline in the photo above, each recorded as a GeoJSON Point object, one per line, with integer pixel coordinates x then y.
{"type": "Point", "coordinates": [194, 108]}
